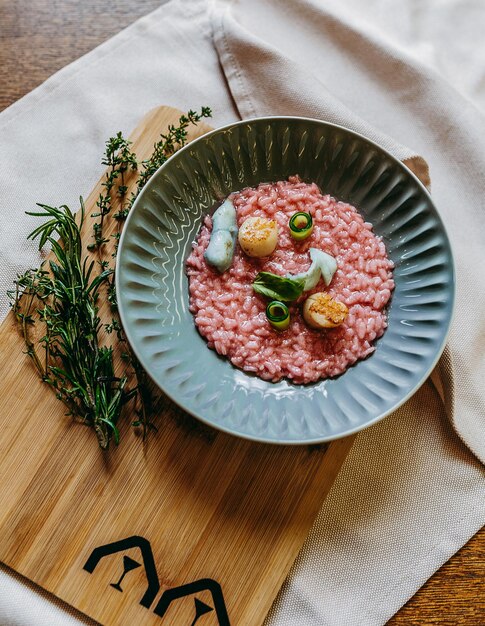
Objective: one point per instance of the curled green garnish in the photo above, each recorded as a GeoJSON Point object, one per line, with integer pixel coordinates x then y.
{"type": "Point", "coordinates": [278, 287]}
{"type": "Point", "coordinates": [278, 315]}
{"type": "Point", "coordinates": [301, 225]}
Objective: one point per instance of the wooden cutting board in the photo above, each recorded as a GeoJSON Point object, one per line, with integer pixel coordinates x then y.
{"type": "Point", "coordinates": [203, 525]}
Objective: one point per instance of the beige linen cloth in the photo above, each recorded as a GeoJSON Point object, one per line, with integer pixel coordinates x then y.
{"type": "Point", "coordinates": [410, 493]}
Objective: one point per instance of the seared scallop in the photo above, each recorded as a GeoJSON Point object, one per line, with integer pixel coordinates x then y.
{"type": "Point", "coordinates": [258, 236]}
{"type": "Point", "coordinates": [322, 311]}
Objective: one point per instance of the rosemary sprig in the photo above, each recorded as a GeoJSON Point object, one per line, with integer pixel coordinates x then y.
{"type": "Point", "coordinates": [62, 296]}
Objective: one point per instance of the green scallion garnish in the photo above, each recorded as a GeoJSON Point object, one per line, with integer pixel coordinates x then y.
{"type": "Point", "coordinates": [278, 287]}
{"type": "Point", "coordinates": [301, 225]}
{"type": "Point", "coordinates": [278, 315]}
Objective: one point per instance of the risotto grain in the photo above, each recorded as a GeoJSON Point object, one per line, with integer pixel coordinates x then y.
{"type": "Point", "coordinates": [231, 316]}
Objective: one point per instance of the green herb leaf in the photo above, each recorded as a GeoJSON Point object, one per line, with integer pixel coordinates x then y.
{"type": "Point", "coordinates": [278, 287]}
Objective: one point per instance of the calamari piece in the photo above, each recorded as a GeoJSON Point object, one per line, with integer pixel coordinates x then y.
{"type": "Point", "coordinates": [220, 250]}
{"type": "Point", "coordinates": [323, 264]}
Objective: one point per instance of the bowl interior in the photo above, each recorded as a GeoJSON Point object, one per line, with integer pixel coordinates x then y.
{"type": "Point", "coordinates": [153, 288]}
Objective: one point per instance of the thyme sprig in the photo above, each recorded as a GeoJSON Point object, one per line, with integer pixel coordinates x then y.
{"type": "Point", "coordinates": [168, 144]}
{"type": "Point", "coordinates": [118, 158]}
{"type": "Point", "coordinates": [62, 296]}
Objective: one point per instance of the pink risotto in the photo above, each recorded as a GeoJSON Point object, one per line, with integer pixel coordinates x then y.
{"type": "Point", "coordinates": [231, 316]}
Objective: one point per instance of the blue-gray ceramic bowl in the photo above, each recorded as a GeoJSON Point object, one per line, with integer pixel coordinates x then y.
{"type": "Point", "coordinates": [152, 286]}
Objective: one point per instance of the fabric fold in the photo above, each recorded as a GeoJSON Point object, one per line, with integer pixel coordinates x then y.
{"type": "Point", "coordinates": [264, 81]}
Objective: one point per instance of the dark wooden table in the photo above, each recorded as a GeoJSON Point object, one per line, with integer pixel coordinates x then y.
{"type": "Point", "coordinates": [38, 37]}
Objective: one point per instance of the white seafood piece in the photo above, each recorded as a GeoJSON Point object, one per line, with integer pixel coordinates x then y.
{"type": "Point", "coordinates": [220, 250]}
{"type": "Point", "coordinates": [322, 311]}
{"type": "Point", "coordinates": [258, 236]}
{"type": "Point", "coordinates": [323, 264]}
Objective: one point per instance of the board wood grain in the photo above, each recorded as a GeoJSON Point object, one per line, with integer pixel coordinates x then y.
{"type": "Point", "coordinates": [202, 515]}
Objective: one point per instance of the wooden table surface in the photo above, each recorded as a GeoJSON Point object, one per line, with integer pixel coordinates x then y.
{"type": "Point", "coordinates": [38, 37]}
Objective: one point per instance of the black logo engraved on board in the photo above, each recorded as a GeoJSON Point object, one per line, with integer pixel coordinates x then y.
{"type": "Point", "coordinates": [128, 565]}
{"type": "Point", "coordinates": [204, 584]}
{"type": "Point", "coordinates": [201, 608]}
{"type": "Point", "coordinates": [169, 595]}
{"type": "Point", "coordinates": [147, 555]}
